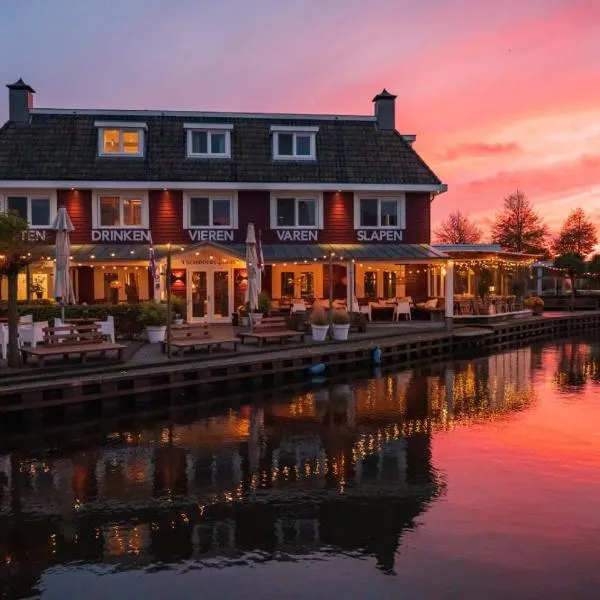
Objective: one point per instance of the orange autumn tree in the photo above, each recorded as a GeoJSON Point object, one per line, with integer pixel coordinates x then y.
{"type": "Point", "coordinates": [458, 229]}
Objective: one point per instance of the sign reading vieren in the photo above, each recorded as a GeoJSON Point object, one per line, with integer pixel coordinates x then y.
{"type": "Point", "coordinates": [120, 235]}
{"type": "Point", "coordinates": [210, 235]}
{"type": "Point", "coordinates": [379, 235]}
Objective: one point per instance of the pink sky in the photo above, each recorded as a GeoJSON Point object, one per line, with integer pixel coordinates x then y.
{"type": "Point", "coordinates": [501, 94]}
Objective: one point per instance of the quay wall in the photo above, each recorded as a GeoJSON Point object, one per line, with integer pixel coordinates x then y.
{"type": "Point", "coordinates": [126, 389]}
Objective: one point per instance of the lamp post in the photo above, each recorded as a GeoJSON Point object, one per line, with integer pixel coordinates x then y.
{"type": "Point", "coordinates": [168, 287]}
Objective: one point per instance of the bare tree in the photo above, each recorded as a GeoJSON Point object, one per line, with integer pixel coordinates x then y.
{"type": "Point", "coordinates": [578, 235]}
{"type": "Point", "coordinates": [518, 227]}
{"type": "Point", "coordinates": [458, 229]}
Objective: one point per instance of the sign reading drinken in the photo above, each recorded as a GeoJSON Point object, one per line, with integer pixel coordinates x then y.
{"type": "Point", "coordinates": [121, 235]}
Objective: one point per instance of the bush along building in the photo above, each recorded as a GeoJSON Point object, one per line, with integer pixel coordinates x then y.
{"type": "Point", "coordinates": [345, 189]}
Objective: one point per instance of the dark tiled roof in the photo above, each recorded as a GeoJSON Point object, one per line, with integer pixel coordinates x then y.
{"type": "Point", "coordinates": [64, 147]}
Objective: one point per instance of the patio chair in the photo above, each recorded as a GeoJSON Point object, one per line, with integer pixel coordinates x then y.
{"type": "Point", "coordinates": [298, 307]}
{"type": "Point", "coordinates": [402, 308]}
{"type": "Point", "coordinates": [26, 320]}
{"type": "Point", "coordinates": [32, 335]}
{"type": "Point", "coordinates": [107, 328]}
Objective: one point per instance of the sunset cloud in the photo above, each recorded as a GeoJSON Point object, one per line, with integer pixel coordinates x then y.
{"type": "Point", "coordinates": [480, 149]}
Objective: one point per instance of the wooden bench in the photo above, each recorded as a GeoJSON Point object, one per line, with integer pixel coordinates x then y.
{"type": "Point", "coordinates": [199, 335]}
{"type": "Point", "coordinates": [271, 328]}
{"type": "Point", "coordinates": [71, 339]}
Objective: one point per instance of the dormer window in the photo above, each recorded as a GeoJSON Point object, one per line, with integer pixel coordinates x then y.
{"type": "Point", "coordinates": [208, 140]}
{"type": "Point", "coordinates": [120, 138]}
{"type": "Point", "coordinates": [294, 143]}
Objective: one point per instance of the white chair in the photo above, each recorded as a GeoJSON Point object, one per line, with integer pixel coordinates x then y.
{"type": "Point", "coordinates": [33, 334]}
{"type": "Point", "coordinates": [402, 308]}
{"type": "Point", "coordinates": [107, 328]}
{"type": "Point", "coordinates": [3, 340]}
{"type": "Point", "coordinates": [366, 309]}
{"type": "Point", "coordinates": [26, 320]}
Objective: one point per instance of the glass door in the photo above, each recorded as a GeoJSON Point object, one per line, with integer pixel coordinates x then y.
{"type": "Point", "coordinates": [221, 294]}
{"type": "Point", "coordinates": [210, 296]}
{"type": "Point", "coordinates": [199, 296]}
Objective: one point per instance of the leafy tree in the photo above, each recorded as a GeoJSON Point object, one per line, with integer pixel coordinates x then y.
{"type": "Point", "coordinates": [577, 236]}
{"type": "Point", "coordinates": [518, 227]}
{"type": "Point", "coordinates": [575, 266]}
{"type": "Point", "coordinates": [458, 229]}
{"type": "Point", "coordinates": [12, 259]}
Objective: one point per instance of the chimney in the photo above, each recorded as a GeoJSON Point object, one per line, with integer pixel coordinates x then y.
{"type": "Point", "coordinates": [385, 111]}
{"type": "Point", "coordinates": [20, 101]}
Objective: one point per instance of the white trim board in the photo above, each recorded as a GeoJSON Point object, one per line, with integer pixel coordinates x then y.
{"type": "Point", "coordinates": [221, 185]}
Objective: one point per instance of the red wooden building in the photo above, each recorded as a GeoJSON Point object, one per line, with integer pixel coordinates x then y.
{"type": "Point", "coordinates": [314, 186]}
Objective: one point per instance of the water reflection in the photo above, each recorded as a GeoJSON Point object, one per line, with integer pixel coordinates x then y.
{"type": "Point", "coordinates": [344, 468]}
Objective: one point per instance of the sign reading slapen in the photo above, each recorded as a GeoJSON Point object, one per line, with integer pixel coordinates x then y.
{"type": "Point", "coordinates": [120, 235]}
{"type": "Point", "coordinates": [34, 235]}
{"type": "Point", "coordinates": [297, 235]}
{"type": "Point", "coordinates": [210, 235]}
{"type": "Point", "coordinates": [379, 235]}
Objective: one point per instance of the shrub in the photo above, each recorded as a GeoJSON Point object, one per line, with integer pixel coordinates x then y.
{"type": "Point", "coordinates": [340, 317]}
{"type": "Point", "coordinates": [178, 305]}
{"type": "Point", "coordinates": [152, 314]}
{"type": "Point", "coordinates": [318, 316]}
{"type": "Point", "coordinates": [533, 302]}
{"type": "Point", "coordinates": [264, 303]}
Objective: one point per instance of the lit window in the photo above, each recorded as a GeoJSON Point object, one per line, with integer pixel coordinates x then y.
{"type": "Point", "coordinates": [120, 210]}
{"type": "Point", "coordinates": [210, 211]}
{"type": "Point", "coordinates": [208, 140]}
{"type": "Point", "coordinates": [36, 210]}
{"type": "Point", "coordinates": [120, 139]}
{"type": "Point", "coordinates": [374, 213]}
{"type": "Point", "coordinates": [294, 143]}
{"type": "Point", "coordinates": [291, 211]}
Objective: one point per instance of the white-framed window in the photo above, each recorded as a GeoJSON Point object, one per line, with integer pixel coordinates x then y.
{"type": "Point", "coordinates": [116, 138]}
{"type": "Point", "coordinates": [207, 210]}
{"type": "Point", "coordinates": [296, 211]}
{"type": "Point", "coordinates": [37, 208]}
{"type": "Point", "coordinates": [120, 210]}
{"type": "Point", "coordinates": [379, 211]}
{"type": "Point", "coordinates": [208, 140]}
{"type": "Point", "coordinates": [294, 143]}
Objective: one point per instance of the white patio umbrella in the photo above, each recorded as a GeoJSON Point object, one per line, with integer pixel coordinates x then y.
{"type": "Point", "coordinates": [63, 290]}
{"type": "Point", "coordinates": [252, 268]}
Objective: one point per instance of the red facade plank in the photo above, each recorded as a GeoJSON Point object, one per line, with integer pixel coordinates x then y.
{"type": "Point", "coordinates": [79, 206]}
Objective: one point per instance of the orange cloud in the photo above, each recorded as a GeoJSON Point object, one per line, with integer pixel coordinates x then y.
{"type": "Point", "coordinates": [480, 149]}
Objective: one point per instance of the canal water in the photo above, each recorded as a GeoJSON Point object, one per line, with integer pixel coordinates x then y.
{"type": "Point", "coordinates": [466, 479]}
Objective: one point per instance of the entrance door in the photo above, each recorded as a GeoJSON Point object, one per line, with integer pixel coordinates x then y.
{"type": "Point", "coordinates": [210, 296]}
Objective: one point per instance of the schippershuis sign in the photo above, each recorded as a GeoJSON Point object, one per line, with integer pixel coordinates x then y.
{"type": "Point", "coordinates": [121, 235]}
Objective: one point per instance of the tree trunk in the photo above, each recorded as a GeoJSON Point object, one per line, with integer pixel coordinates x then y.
{"type": "Point", "coordinates": [13, 321]}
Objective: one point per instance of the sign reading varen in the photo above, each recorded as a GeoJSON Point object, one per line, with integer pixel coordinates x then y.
{"type": "Point", "coordinates": [297, 235]}
{"type": "Point", "coordinates": [379, 235]}
{"type": "Point", "coordinates": [210, 235]}
{"type": "Point", "coordinates": [120, 235]}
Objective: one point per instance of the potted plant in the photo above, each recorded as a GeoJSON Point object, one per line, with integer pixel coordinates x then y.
{"type": "Point", "coordinates": [37, 287]}
{"type": "Point", "coordinates": [318, 324]}
{"type": "Point", "coordinates": [242, 311]}
{"type": "Point", "coordinates": [264, 304]}
{"type": "Point", "coordinates": [340, 320]}
{"type": "Point", "coordinates": [535, 304]}
{"type": "Point", "coordinates": [178, 308]}
{"type": "Point", "coordinates": [154, 317]}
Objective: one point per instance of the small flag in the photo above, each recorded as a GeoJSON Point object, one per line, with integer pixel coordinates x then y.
{"type": "Point", "coordinates": [261, 258]}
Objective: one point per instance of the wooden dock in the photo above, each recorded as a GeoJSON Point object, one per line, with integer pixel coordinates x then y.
{"type": "Point", "coordinates": [107, 392]}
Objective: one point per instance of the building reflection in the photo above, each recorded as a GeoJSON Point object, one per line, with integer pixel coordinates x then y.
{"type": "Point", "coordinates": [343, 468]}
{"type": "Point", "coordinates": [577, 362]}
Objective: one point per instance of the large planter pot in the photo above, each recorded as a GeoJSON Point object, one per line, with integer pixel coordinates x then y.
{"type": "Point", "coordinates": [156, 334]}
{"type": "Point", "coordinates": [319, 332]}
{"type": "Point", "coordinates": [245, 321]}
{"type": "Point", "coordinates": [257, 317]}
{"type": "Point", "coordinates": [340, 332]}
